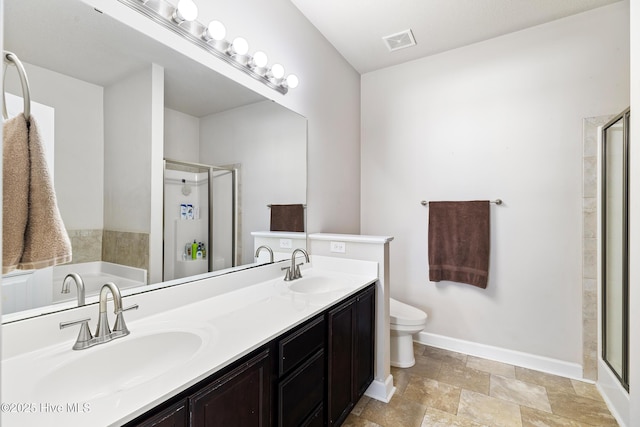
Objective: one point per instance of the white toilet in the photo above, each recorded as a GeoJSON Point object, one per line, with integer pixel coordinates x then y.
{"type": "Point", "coordinates": [405, 321]}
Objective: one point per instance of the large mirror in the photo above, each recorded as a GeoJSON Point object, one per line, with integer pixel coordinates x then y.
{"type": "Point", "coordinates": [164, 170]}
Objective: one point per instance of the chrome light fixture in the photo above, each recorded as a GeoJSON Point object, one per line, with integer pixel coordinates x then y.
{"type": "Point", "coordinates": [181, 19]}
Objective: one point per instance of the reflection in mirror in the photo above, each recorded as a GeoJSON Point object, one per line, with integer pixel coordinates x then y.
{"type": "Point", "coordinates": [122, 103]}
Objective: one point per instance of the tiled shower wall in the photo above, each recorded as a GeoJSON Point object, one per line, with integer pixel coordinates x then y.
{"type": "Point", "coordinates": [120, 247]}
{"type": "Point", "coordinates": [590, 245]}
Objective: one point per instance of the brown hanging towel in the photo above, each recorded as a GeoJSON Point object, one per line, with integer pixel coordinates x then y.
{"type": "Point", "coordinates": [287, 218]}
{"type": "Point", "coordinates": [458, 242]}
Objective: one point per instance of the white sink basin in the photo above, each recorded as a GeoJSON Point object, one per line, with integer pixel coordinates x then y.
{"type": "Point", "coordinates": [317, 285]}
{"type": "Point", "coordinates": [118, 365]}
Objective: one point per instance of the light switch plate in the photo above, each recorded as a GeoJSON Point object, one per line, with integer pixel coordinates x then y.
{"type": "Point", "coordinates": [286, 243]}
{"type": "Point", "coordinates": [338, 247]}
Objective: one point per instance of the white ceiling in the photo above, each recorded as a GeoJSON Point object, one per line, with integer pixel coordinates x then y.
{"type": "Point", "coordinates": [356, 27]}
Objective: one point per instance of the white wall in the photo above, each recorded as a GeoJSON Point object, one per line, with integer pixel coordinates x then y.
{"type": "Point", "coordinates": [498, 119]}
{"type": "Point", "coordinates": [266, 140]}
{"type": "Point", "coordinates": [634, 193]}
{"type": "Point", "coordinates": [79, 134]}
{"type": "Point", "coordinates": [328, 95]}
{"type": "Point", "coordinates": [127, 155]}
{"type": "Point", "coordinates": [181, 136]}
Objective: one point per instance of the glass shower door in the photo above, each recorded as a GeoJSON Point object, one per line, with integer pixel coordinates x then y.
{"type": "Point", "coordinates": [615, 246]}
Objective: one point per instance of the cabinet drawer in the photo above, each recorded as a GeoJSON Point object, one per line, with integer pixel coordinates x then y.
{"type": "Point", "coordinates": [300, 393]}
{"type": "Point", "coordinates": [296, 347]}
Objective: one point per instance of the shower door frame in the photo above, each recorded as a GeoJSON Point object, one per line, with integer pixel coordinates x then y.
{"type": "Point", "coordinates": [235, 238]}
{"type": "Point", "coordinates": [623, 376]}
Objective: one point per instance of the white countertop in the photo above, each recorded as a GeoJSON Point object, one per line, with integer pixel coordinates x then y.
{"type": "Point", "coordinates": [39, 384]}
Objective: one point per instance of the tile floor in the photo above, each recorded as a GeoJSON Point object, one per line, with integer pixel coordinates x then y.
{"type": "Point", "coordinates": [447, 389]}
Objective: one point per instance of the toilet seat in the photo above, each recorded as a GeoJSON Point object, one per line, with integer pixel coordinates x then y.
{"type": "Point", "coordinates": [405, 315]}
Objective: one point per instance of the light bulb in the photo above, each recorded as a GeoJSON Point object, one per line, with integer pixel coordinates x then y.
{"type": "Point", "coordinates": [292, 81]}
{"type": "Point", "coordinates": [239, 46]}
{"type": "Point", "coordinates": [186, 11]}
{"type": "Point", "coordinates": [277, 71]}
{"type": "Point", "coordinates": [259, 60]}
{"type": "Point", "coordinates": [214, 31]}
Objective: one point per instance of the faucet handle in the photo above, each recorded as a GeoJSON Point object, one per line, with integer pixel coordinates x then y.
{"type": "Point", "coordinates": [120, 327]}
{"type": "Point", "coordinates": [84, 336]}
{"type": "Point", "coordinates": [287, 275]}
{"type": "Point", "coordinates": [131, 307]}
{"type": "Point", "coordinates": [297, 273]}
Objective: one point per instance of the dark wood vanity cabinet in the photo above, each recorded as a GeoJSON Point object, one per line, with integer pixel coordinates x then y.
{"type": "Point", "coordinates": [301, 371]}
{"type": "Point", "coordinates": [350, 354]}
{"type": "Point", "coordinates": [311, 376]}
{"type": "Point", "coordinates": [240, 397]}
{"type": "Point", "coordinates": [176, 415]}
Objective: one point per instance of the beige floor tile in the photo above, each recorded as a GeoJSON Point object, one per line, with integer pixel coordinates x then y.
{"type": "Point", "coordinates": [463, 377]}
{"type": "Point", "coordinates": [398, 412]}
{"type": "Point", "coordinates": [493, 367]}
{"type": "Point", "coordinates": [360, 405]}
{"type": "Point", "coordinates": [436, 418]}
{"type": "Point", "coordinates": [585, 389]}
{"type": "Point", "coordinates": [433, 394]}
{"type": "Point", "coordinates": [516, 391]}
{"type": "Point", "coordinates": [400, 380]}
{"type": "Point", "coordinates": [582, 409]}
{"type": "Point", "coordinates": [425, 367]}
{"type": "Point", "coordinates": [356, 421]}
{"type": "Point", "coordinates": [549, 381]}
{"type": "Point", "coordinates": [445, 356]}
{"type": "Point", "coordinates": [535, 418]}
{"type": "Point", "coordinates": [489, 410]}
{"type": "Point", "coordinates": [418, 349]}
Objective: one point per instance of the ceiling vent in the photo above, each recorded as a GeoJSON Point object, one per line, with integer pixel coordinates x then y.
{"type": "Point", "coordinates": [399, 40]}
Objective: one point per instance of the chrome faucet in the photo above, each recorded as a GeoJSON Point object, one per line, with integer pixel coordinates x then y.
{"type": "Point", "coordinates": [103, 333]}
{"type": "Point", "coordinates": [293, 271]}
{"type": "Point", "coordinates": [266, 248]}
{"type": "Point", "coordinates": [79, 285]}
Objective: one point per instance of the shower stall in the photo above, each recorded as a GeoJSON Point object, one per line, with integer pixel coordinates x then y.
{"type": "Point", "coordinates": [200, 219]}
{"type": "Point", "coordinates": [614, 363]}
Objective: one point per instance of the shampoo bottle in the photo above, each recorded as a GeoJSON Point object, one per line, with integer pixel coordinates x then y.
{"type": "Point", "coordinates": [194, 250]}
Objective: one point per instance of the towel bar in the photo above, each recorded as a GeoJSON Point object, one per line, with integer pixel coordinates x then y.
{"type": "Point", "coordinates": [496, 201]}
{"type": "Point", "coordinates": [304, 206]}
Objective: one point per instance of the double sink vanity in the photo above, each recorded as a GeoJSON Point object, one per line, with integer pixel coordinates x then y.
{"type": "Point", "coordinates": [247, 349]}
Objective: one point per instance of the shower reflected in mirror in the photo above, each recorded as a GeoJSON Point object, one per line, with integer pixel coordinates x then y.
{"type": "Point", "coordinates": [200, 219]}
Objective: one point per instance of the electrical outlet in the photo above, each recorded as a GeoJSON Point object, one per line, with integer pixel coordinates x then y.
{"type": "Point", "coordinates": [286, 243]}
{"type": "Point", "coordinates": [338, 247]}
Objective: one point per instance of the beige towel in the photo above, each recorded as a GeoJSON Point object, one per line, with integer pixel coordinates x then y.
{"type": "Point", "coordinates": [45, 241]}
{"type": "Point", "coordinates": [15, 190]}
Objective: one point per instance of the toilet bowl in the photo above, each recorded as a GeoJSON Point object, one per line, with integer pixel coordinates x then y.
{"type": "Point", "coordinates": [405, 321]}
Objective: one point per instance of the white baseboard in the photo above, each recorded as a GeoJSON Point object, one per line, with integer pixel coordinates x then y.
{"type": "Point", "coordinates": [616, 397]}
{"type": "Point", "coordinates": [381, 390]}
{"type": "Point", "coordinates": [512, 357]}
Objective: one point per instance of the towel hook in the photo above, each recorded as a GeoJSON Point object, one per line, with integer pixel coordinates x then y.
{"type": "Point", "coordinates": [11, 58]}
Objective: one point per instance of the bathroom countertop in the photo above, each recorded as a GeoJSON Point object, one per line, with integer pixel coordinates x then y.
{"type": "Point", "coordinates": [44, 386]}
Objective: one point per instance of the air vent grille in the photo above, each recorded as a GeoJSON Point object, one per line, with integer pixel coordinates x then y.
{"type": "Point", "coordinates": [399, 40]}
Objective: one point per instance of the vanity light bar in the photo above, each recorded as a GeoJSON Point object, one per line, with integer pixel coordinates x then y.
{"type": "Point", "coordinates": [181, 20]}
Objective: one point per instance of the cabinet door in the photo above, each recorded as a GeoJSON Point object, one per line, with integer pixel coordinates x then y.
{"type": "Point", "coordinates": [174, 416]}
{"type": "Point", "coordinates": [340, 354]}
{"type": "Point", "coordinates": [240, 398]}
{"type": "Point", "coordinates": [365, 340]}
